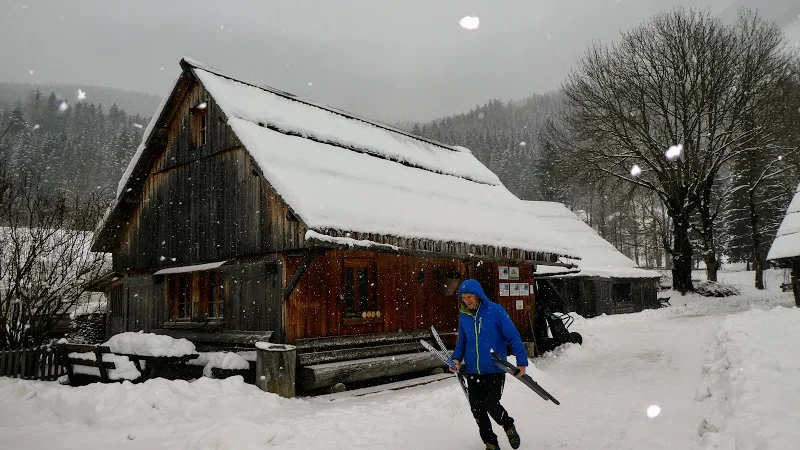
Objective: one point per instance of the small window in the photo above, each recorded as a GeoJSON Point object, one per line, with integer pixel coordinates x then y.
{"type": "Point", "coordinates": [360, 289]}
{"type": "Point", "coordinates": [195, 296]}
{"type": "Point", "coordinates": [199, 126]}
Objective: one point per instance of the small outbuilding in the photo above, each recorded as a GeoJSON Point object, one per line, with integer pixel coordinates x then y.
{"type": "Point", "coordinates": [785, 249]}
{"type": "Point", "coordinates": [606, 282]}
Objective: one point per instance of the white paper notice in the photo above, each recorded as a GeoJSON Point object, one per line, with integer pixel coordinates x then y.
{"type": "Point", "coordinates": [503, 289]}
{"type": "Point", "coordinates": [503, 271]}
{"type": "Point", "coordinates": [519, 304]}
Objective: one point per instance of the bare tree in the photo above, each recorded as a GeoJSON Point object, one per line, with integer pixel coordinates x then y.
{"type": "Point", "coordinates": [45, 258]}
{"type": "Point", "coordinates": [682, 81]}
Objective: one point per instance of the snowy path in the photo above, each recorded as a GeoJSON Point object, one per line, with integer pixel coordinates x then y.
{"type": "Point", "coordinates": [605, 386]}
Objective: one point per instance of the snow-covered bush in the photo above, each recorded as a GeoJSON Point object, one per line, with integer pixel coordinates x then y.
{"type": "Point", "coordinates": [715, 289]}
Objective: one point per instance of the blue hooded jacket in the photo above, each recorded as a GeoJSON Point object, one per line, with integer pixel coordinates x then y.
{"type": "Point", "coordinates": [487, 328]}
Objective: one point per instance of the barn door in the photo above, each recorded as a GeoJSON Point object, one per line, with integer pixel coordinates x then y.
{"type": "Point", "coordinates": [253, 297]}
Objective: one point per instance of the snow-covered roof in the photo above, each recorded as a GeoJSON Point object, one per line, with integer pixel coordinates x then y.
{"type": "Point", "coordinates": [342, 173]}
{"type": "Point", "coordinates": [599, 257]}
{"type": "Point", "coordinates": [787, 240]}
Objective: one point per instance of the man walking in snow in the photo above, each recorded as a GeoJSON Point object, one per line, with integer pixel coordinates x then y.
{"type": "Point", "coordinates": [484, 326]}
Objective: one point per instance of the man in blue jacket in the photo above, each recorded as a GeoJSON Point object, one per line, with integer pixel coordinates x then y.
{"type": "Point", "coordinates": [483, 327]}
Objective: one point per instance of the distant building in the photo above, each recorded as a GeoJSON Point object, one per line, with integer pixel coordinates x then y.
{"type": "Point", "coordinates": [608, 282]}
{"type": "Point", "coordinates": [785, 249]}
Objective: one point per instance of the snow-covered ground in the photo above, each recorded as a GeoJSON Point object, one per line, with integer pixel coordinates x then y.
{"type": "Point", "coordinates": [724, 372]}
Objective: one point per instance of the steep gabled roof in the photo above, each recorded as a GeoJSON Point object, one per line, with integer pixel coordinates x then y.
{"type": "Point", "coordinates": [340, 173]}
{"type": "Point", "coordinates": [787, 241]}
{"type": "Point", "coordinates": [599, 257]}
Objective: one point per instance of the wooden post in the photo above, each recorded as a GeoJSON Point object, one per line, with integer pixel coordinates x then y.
{"type": "Point", "coordinates": [275, 368]}
{"type": "Point", "coordinates": [796, 281]}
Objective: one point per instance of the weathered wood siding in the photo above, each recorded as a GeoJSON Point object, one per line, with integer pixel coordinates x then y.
{"type": "Point", "coordinates": [117, 304]}
{"type": "Point", "coordinates": [643, 294]}
{"type": "Point", "coordinates": [204, 204]}
{"type": "Point", "coordinates": [144, 303]}
{"type": "Point", "coordinates": [253, 296]}
{"type": "Point", "coordinates": [316, 307]}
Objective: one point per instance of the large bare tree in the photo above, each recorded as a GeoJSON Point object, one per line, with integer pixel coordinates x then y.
{"type": "Point", "coordinates": [45, 260]}
{"type": "Point", "coordinates": [684, 82]}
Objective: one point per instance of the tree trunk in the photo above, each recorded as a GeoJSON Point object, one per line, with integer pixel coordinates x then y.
{"type": "Point", "coordinates": [707, 224]}
{"type": "Point", "coordinates": [755, 236]}
{"type": "Point", "coordinates": [712, 265]}
{"type": "Point", "coordinates": [681, 255]}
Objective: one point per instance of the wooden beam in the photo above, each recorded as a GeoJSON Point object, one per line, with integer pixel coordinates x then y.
{"type": "Point", "coordinates": [308, 258]}
{"type": "Point", "coordinates": [323, 375]}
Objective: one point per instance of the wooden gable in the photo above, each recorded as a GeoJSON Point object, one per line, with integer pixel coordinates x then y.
{"type": "Point", "coordinates": [200, 200]}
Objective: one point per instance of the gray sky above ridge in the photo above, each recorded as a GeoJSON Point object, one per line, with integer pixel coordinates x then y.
{"type": "Point", "coordinates": [385, 59]}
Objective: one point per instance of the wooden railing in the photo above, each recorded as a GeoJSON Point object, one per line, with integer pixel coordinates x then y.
{"type": "Point", "coordinates": [40, 363]}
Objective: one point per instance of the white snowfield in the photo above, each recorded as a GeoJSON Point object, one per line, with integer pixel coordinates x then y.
{"type": "Point", "coordinates": [723, 374]}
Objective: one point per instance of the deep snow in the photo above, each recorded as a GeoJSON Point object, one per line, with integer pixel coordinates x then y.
{"type": "Point", "coordinates": [723, 371]}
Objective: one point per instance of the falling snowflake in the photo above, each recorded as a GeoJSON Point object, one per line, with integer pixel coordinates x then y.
{"type": "Point", "coordinates": [30, 71]}
{"type": "Point", "coordinates": [674, 152]}
{"type": "Point", "coordinates": [636, 170]}
{"type": "Point", "coordinates": [310, 83]}
{"type": "Point", "coordinates": [780, 157]}
{"type": "Point", "coordinates": [36, 127]}
{"type": "Point", "coordinates": [63, 106]}
{"type": "Point", "coordinates": [469, 22]}
{"type": "Point", "coordinates": [653, 411]}
{"type": "Point", "coordinates": [137, 125]}
{"type": "Point", "coordinates": [523, 144]}
{"type": "Point", "coordinates": [81, 94]}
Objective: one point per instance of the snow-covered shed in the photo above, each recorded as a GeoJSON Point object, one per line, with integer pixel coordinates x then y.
{"type": "Point", "coordinates": [785, 249]}
{"type": "Point", "coordinates": [246, 208]}
{"type": "Point", "coordinates": [607, 281]}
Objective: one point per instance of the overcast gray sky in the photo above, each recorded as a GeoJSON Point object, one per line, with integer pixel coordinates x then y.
{"type": "Point", "coordinates": [385, 59]}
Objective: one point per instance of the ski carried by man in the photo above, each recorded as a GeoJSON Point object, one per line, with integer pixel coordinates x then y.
{"type": "Point", "coordinates": [525, 378]}
{"type": "Point", "coordinates": [444, 355]}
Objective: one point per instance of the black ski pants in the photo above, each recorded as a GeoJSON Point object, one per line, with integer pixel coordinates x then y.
{"type": "Point", "coordinates": [485, 391]}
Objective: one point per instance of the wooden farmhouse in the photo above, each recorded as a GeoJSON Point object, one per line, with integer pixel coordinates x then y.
{"type": "Point", "coordinates": [785, 249]}
{"type": "Point", "coordinates": [247, 210]}
{"type": "Point", "coordinates": [608, 282]}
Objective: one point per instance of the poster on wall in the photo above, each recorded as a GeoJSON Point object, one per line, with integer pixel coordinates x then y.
{"type": "Point", "coordinates": [503, 289]}
{"type": "Point", "coordinates": [515, 289]}
{"type": "Point", "coordinates": [503, 270]}
{"type": "Point", "coordinates": [519, 304]}
{"type": "Point", "coordinates": [524, 289]}
{"type": "Point", "coordinates": [513, 273]}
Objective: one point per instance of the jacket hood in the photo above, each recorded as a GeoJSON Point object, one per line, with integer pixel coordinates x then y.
{"type": "Point", "coordinates": [471, 286]}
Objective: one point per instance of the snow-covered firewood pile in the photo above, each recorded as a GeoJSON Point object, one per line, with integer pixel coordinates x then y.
{"type": "Point", "coordinates": [715, 289]}
{"type": "Point", "coordinates": [88, 329]}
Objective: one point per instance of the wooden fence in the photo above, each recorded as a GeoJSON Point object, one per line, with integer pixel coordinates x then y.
{"type": "Point", "coordinates": [31, 364]}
